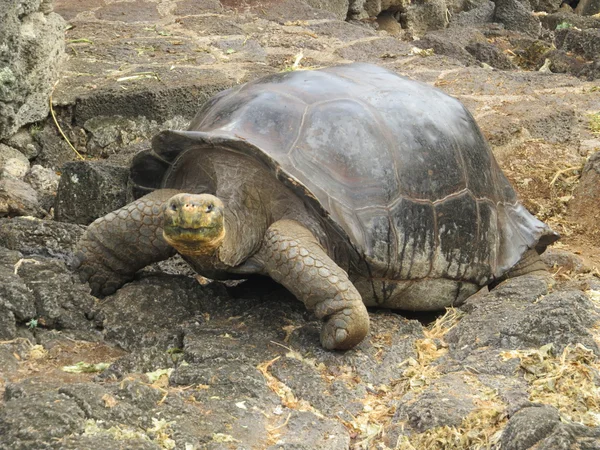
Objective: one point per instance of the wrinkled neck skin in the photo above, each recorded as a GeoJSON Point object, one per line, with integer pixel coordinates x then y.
{"type": "Point", "coordinates": [195, 249]}
{"type": "Point", "coordinates": [253, 199]}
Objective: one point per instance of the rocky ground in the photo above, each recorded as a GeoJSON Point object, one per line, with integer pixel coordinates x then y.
{"type": "Point", "coordinates": [170, 362]}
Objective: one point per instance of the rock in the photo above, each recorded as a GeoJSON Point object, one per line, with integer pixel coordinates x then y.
{"type": "Point", "coordinates": [35, 237]}
{"type": "Point", "coordinates": [540, 426]}
{"type": "Point", "coordinates": [55, 415]}
{"type": "Point", "coordinates": [580, 42]}
{"type": "Point", "coordinates": [372, 8]}
{"type": "Point", "coordinates": [292, 10]}
{"type": "Point", "coordinates": [8, 328]}
{"type": "Point", "coordinates": [242, 50]}
{"type": "Point", "coordinates": [60, 301]}
{"type": "Point", "coordinates": [562, 62]}
{"type": "Point", "coordinates": [551, 21]}
{"type": "Point", "coordinates": [563, 260]}
{"type": "Point", "coordinates": [491, 55]}
{"type": "Point", "coordinates": [110, 134]}
{"type": "Point", "coordinates": [482, 14]}
{"type": "Point", "coordinates": [135, 314]}
{"type": "Point", "coordinates": [521, 314]}
{"type": "Point", "coordinates": [32, 52]}
{"type": "Point", "coordinates": [8, 361]}
{"type": "Point", "coordinates": [17, 302]}
{"type": "Point", "coordinates": [588, 7]}
{"type": "Point", "coordinates": [18, 198]}
{"type": "Point", "coordinates": [305, 431]}
{"type": "Point", "coordinates": [45, 183]}
{"type": "Point", "coordinates": [88, 190]}
{"type": "Point", "coordinates": [387, 22]}
{"type": "Point", "coordinates": [23, 141]}
{"type": "Point", "coordinates": [422, 16]}
{"type": "Point", "coordinates": [517, 16]}
{"type": "Point", "coordinates": [583, 208]}
{"type": "Point", "coordinates": [548, 6]}
{"type": "Point", "coordinates": [13, 162]}
{"type": "Point", "coordinates": [308, 384]}
{"type": "Point", "coordinates": [452, 42]}
{"type": "Point", "coordinates": [338, 7]}
{"type": "Point", "coordinates": [54, 150]}
{"type": "Point", "coordinates": [373, 50]}
{"type": "Point", "coordinates": [446, 402]}
{"type": "Point", "coordinates": [529, 426]}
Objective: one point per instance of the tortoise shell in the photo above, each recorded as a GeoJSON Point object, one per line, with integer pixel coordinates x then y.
{"type": "Point", "coordinates": [399, 167]}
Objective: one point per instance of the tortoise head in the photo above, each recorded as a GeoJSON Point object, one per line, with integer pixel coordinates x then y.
{"type": "Point", "coordinates": [193, 223]}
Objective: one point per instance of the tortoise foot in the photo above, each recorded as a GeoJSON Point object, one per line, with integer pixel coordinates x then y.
{"type": "Point", "coordinates": [344, 329]}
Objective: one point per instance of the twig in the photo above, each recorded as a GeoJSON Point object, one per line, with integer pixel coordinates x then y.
{"type": "Point", "coordinates": [560, 172]}
{"type": "Point", "coordinates": [58, 126]}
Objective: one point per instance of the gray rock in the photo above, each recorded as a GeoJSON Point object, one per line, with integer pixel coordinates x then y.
{"type": "Point", "coordinates": [337, 7]}
{"type": "Point", "coordinates": [549, 6]}
{"type": "Point", "coordinates": [45, 182]}
{"type": "Point", "coordinates": [136, 313]}
{"type": "Point", "coordinates": [529, 426]}
{"type": "Point", "coordinates": [8, 361]}
{"type": "Point", "coordinates": [332, 400]}
{"type": "Point", "coordinates": [520, 314]}
{"type": "Point", "coordinates": [35, 237]}
{"type": "Point", "coordinates": [54, 151]}
{"type": "Point", "coordinates": [517, 16]}
{"type": "Point", "coordinates": [551, 21]}
{"type": "Point", "coordinates": [108, 135]}
{"type": "Point", "coordinates": [8, 328]}
{"type": "Point", "coordinates": [588, 7]}
{"type": "Point", "coordinates": [482, 14]}
{"type": "Point", "coordinates": [242, 50]}
{"type": "Point", "coordinates": [446, 402]}
{"type": "Point", "coordinates": [491, 55]}
{"type": "Point", "coordinates": [583, 206]}
{"type": "Point", "coordinates": [23, 141]}
{"type": "Point", "coordinates": [585, 43]}
{"type": "Point", "coordinates": [33, 49]}
{"type": "Point", "coordinates": [16, 300]}
{"type": "Point", "coordinates": [422, 16]}
{"type": "Point", "coordinates": [29, 418]}
{"type": "Point", "coordinates": [452, 42]}
{"type": "Point", "coordinates": [88, 190]}
{"type": "Point", "coordinates": [564, 260]}
{"type": "Point", "coordinates": [18, 198]}
{"type": "Point", "coordinates": [60, 301]}
{"type": "Point", "coordinates": [372, 8]}
{"type": "Point", "coordinates": [13, 162]}
{"type": "Point", "coordinates": [292, 10]}
{"type": "Point", "coordinates": [372, 51]}
{"type": "Point", "coordinates": [306, 431]}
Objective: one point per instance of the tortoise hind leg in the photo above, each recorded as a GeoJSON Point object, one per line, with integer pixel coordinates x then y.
{"type": "Point", "coordinates": [530, 263]}
{"type": "Point", "coordinates": [292, 256]}
{"type": "Point", "coordinates": [116, 246]}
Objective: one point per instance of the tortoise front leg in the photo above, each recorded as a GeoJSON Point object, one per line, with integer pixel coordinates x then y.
{"type": "Point", "coordinates": [116, 246]}
{"type": "Point", "coordinates": [291, 255]}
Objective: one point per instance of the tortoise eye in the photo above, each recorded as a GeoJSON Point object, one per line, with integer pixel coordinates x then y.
{"type": "Point", "coordinates": [209, 208]}
{"type": "Point", "coordinates": [173, 207]}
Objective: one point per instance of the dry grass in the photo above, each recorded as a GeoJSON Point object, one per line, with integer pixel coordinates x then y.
{"type": "Point", "coordinates": [567, 381]}
{"type": "Point", "coordinates": [417, 373]}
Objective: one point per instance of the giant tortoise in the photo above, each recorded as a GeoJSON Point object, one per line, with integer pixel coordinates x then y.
{"type": "Point", "coordinates": [349, 185]}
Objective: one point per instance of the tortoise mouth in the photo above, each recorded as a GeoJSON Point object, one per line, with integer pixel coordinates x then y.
{"type": "Point", "coordinates": [206, 233]}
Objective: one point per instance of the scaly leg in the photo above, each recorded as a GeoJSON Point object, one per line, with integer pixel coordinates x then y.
{"type": "Point", "coordinates": [116, 246]}
{"type": "Point", "coordinates": [291, 255]}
